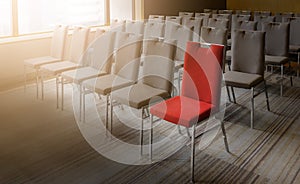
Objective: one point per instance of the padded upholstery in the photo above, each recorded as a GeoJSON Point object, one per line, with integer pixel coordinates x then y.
{"type": "Point", "coordinates": [218, 23]}
{"type": "Point", "coordinates": [79, 75]}
{"type": "Point", "coordinates": [206, 10]}
{"type": "Point", "coordinates": [294, 32]}
{"type": "Point", "coordinates": [277, 38]}
{"type": "Point", "coordinates": [58, 67]}
{"type": "Point", "coordinates": [57, 49]}
{"type": "Point", "coordinates": [175, 19]}
{"type": "Point", "coordinates": [248, 52]}
{"type": "Point", "coordinates": [262, 13]}
{"type": "Point", "coordinates": [276, 60]}
{"type": "Point", "coordinates": [186, 14]}
{"type": "Point", "coordinates": [245, 25]}
{"type": "Point", "coordinates": [156, 81]}
{"type": "Point", "coordinates": [204, 16]}
{"type": "Point", "coordinates": [201, 87]}
{"type": "Point", "coordinates": [243, 12]}
{"type": "Point", "coordinates": [236, 18]}
{"type": "Point", "coordinates": [117, 25]}
{"type": "Point", "coordinates": [136, 27]}
{"type": "Point", "coordinates": [156, 18]}
{"type": "Point", "coordinates": [283, 17]}
{"type": "Point", "coordinates": [221, 16]}
{"type": "Point", "coordinates": [242, 80]}
{"type": "Point", "coordinates": [194, 24]}
{"type": "Point", "coordinates": [261, 19]}
{"type": "Point", "coordinates": [154, 29]}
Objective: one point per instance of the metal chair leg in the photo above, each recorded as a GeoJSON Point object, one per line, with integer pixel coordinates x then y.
{"type": "Point", "coordinates": [106, 114]}
{"type": "Point", "coordinates": [224, 136]}
{"type": "Point", "coordinates": [111, 114]}
{"type": "Point", "coordinates": [42, 86]}
{"type": "Point", "coordinates": [193, 154]}
{"type": "Point", "coordinates": [233, 95]}
{"type": "Point", "coordinates": [141, 133]}
{"type": "Point", "coordinates": [62, 93]}
{"type": "Point", "coordinates": [25, 77]}
{"type": "Point", "coordinates": [267, 96]}
{"type": "Point", "coordinates": [281, 86]}
{"type": "Point", "coordinates": [252, 108]}
{"type": "Point", "coordinates": [57, 83]}
{"type": "Point", "coordinates": [37, 82]}
{"type": "Point", "coordinates": [83, 104]}
{"type": "Point", "coordinates": [151, 137]}
{"type": "Point", "coordinates": [179, 85]}
{"type": "Point", "coordinates": [228, 93]}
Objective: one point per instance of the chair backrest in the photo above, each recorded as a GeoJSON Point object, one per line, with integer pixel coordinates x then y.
{"type": "Point", "coordinates": [194, 24]}
{"type": "Point", "coordinates": [186, 14]}
{"type": "Point", "coordinates": [127, 55]}
{"type": "Point", "coordinates": [218, 23]}
{"type": "Point", "coordinates": [136, 27]}
{"type": "Point", "coordinates": [154, 29]}
{"type": "Point", "coordinates": [100, 51]}
{"type": "Point", "coordinates": [78, 43]}
{"type": "Point", "coordinates": [294, 30]}
{"type": "Point", "coordinates": [245, 25]}
{"type": "Point", "coordinates": [243, 12]}
{"type": "Point", "coordinates": [182, 35]}
{"type": "Point", "coordinates": [277, 38]}
{"type": "Point", "coordinates": [236, 18]}
{"type": "Point", "coordinates": [204, 16]}
{"type": "Point", "coordinates": [117, 25]}
{"type": "Point", "coordinates": [156, 18]}
{"type": "Point", "coordinates": [206, 10]}
{"type": "Point", "coordinates": [99, 32]}
{"type": "Point", "coordinates": [261, 13]}
{"type": "Point", "coordinates": [202, 76]}
{"type": "Point", "coordinates": [225, 12]}
{"type": "Point", "coordinates": [282, 17]}
{"type": "Point", "coordinates": [175, 19]}
{"type": "Point", "coordinates": [159, 53]}
{"type": "Point", "coordinates": [260, 19]}
{"type": "Point", "coordinates": [58, 42]}
{"type": "Point", "coordinates": [248, 51]}
{"type": "Point", "coordinates": [221, 16]}
{"type": "Point", "coordinates": [214, 36]}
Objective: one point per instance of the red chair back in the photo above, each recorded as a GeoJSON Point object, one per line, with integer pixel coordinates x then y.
{"type": "Point", "coordinates": [202, 74]}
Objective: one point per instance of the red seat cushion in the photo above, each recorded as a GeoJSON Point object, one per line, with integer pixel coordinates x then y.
{"type": "Point", "coordinates": [182, 110]}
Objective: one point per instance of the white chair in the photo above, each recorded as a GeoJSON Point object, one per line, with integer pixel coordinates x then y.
{"type": "Point", "coordinates": [117, 25]}
{"type": "Point", "coordinates": [154, 29]}
{"type": "Point", "coordinates": [127, 62]}
{"type": "Point", "coordinates": [186, 14]}
{"type": "Point", "coordinates": [97, 61]}
{"type": "Point", "coordinates": [136, 27]}
{"type": "Point", "coordinates": [56, 54]}
{"type": "Point", "coordinates": [204, 16]}
{"type": "Point", "coordinates": [78, 46]}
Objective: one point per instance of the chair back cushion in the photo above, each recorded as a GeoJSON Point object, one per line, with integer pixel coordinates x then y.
{"type": "Point", "coordinates": [58, 42]}
{"type": "Point", "coordinates": [194, 24]}
{"type": "Point", "coordinates": [218, 23]}
{"type": "Point", "coordinates": [186, 14]}
{"type": "Point", "coordinates": [158, 64]}
{"type": "Point", "coordinates": [154, 29]}
{"type": "Point", "coordinates": [78, 43]}
{"type": "Point", "coordinates": [136, 27]}
{"type": "Point", "coordinates": [202, 74]}
{"type": "Point", "coordinates": [204, 16]}
{"type": "Point", "coordinates": [294, 30]}
{"type": "Point", "coordinates": [248, 51]}
{"type": "Point", "coordinates": [263, 18]}
{"type": "Point", "coordinates": [156, 18]}
{"type": "Point", "coordinates": [277, 38]}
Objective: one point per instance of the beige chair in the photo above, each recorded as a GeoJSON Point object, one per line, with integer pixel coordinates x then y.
{"type": "Point", "coordinates": [182, 35]}
{"type": "Point", "coordinates": [78, 46]}
{"type": "Point", "coordinates": [294, 48]}
{"type": "Point", "coordinates": [206, 10]}
{"type": "Point", "coordinates": [173, 19]}
{"type": "Point", "coordinates": [204, 16]}
{"type": "Point", "coordinates": [237, 18]}
{"type": "Point", "coordinates": [117, 25]}
{"type": "Point", "coordinates": [243, 12]}
{"type": "Point", "coordinates": [56, 54]}
{"type": "Point", "coordinates": [248, 64]}
{"type": "Point", "coordinates": [136, 27]}
{"type": "Point", "coordinates": [97, 61]}
{"type": "Point", "coordinates": [154, 29]}
{"type": "Point", "coordinates": [155, 83]}
{"type": "Point", "coordinates": [194, 24]}
{"type": "Point", "coordinates": [277, 46]}
{"type": "Point", "coordinates": [218, 23]}
{"type": "Point", "coordinates": [283, 17]}
{"type": "Point", "coordinates": [260, 19]}
{"type": "Point", "coordinates": [186, 14]}
{"type": "Point", "coordinates": [127, 61]}
{"type": "Point", "coordinates": [156, 18]}
{"type": "Point", "coordinates": [225, 12]}
{"type": "Point", "coordinates": [262, 13]}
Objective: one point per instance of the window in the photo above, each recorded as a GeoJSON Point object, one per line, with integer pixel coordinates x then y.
{"type": "Point", "coordinates": [43, 15]}
{"type": "Point", "coordinates": [5, 17]}
{"type": "Point", "coordinates": [121, 9]}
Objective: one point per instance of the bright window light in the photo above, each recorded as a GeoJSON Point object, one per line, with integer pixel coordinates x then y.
{"type": "Point", "coordinates": [43, 15]}
{"type": "Point", "coordinates": [5, 17]}
{"type": "Point", "coordinates": [121, 9]}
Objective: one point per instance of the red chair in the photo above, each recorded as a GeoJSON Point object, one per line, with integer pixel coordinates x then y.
{"type": "Point", "coordinates": [200, 94]}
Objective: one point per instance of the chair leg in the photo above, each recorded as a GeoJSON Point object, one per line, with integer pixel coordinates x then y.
{"type": "Point", "coordinates": [25, 77]}
{"type": "Point", "coordinates": [224, 136]}
{"type": "Point", "coordinates": [178, 78]}
{"type": "Point", "coordinates": [62, 94]}
{"type": "Point", "coordinates": [151, 137]}
{"type": "Point", "coordinates": [267, 96]}
{"type": "Point", "coordinates": [228, 93]}
{"type": "Point", "coordinates": [111, 114]}
{"type": "Point", "coordinates": [42, 86]}
{"type": "Point", "coordinates": [80, 101]}
{"type": "Point", "coordinates": [37, 82]}
{"type": "Point", "coordinates": [141, 133]}
{"type": "Point", "coordinates": [83, 104]}
{"type": "Point", "coordinates": [298, 65]}
{"type": "Point", "coordinates": [252, 108]}
{"type": "Point", "coordinates": [193, 154]}
{"type": "Point", "coordinates": [106, 114]}
{"type": "Point", "coordinates": [281, 85]}
{"type": "Point", "coordinates": [188, 133]}
{"type": "Point", "coordinates": [233, 95]}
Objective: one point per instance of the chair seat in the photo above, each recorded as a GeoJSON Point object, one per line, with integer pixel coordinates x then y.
{"type": "Point", "coordinates": [228, 55]}
{"type": "Point", "coordinates": [294, 48]}
{"type": "Point", "coordinates": [37, 62]}
{"type": "Point", "coordinates": [138, 95]}
{"type": "Point", "coordinates": [275, 60]}
{"type": "Point", "coordinates": [242, 80]}
{"type": "Point", "coordinates": [81, 74]}
{"type": "Point", "coordinates": [182, 110]}
{"type": "Point", "coordinates": [107, 83]}
{"type": "Point", "coordinates": [59, 67]}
